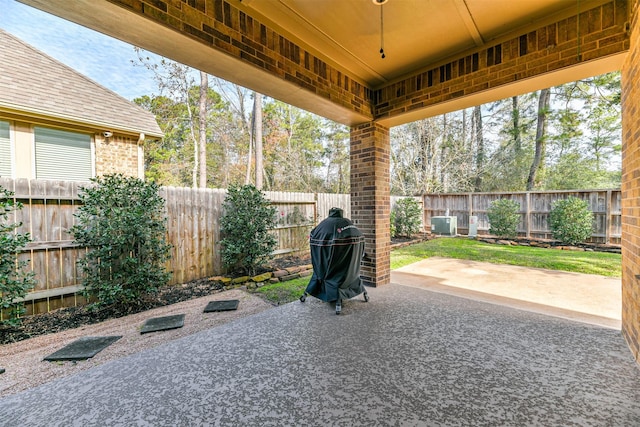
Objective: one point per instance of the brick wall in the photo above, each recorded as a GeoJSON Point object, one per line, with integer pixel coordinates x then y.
{"type": "Point", "coordinates": [595, 33]}
{"type": "Point", "coordinates": [117, 154]}
{"type": "Point", "coordinates": [222, 26]}
{"type": "Point", "coordinates": [631, 191]}
{"type": "Point", "coordinates": [370, 191]}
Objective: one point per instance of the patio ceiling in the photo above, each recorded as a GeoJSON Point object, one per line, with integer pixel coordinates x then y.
{"type": "Point", "coordinates": [418, 35]}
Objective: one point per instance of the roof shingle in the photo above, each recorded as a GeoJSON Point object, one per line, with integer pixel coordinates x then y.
{"type": "Point", "coordinates": [32, 81]}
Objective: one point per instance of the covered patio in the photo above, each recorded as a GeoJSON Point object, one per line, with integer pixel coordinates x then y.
{"type": "Point", "coordinates": [412, 356]}
{"type": "Point", "coordinates": [325, 56]}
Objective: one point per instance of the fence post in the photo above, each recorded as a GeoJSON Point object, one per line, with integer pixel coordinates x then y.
{"type": "Point", "coordinates": [607, 218]}
{"type": "Point", "coordinates": [527, 214]}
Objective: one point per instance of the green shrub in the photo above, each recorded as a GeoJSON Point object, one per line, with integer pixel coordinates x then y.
{"type": "Point", "coordinates": [571, 220]}
{"type": "Point", "coordinates": [123, 224]}
{"type": "Point", "coordinates": [245, 223]}
{"type": "Point", "coordinates": [14, 281]}
{"type": "Point", "coordinates": [406, 217]}
{"type": "Point", "coordinates": [504, 218]}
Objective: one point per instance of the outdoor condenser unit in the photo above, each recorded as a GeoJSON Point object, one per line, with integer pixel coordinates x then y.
{"type": "Point", "coordinates": [447, 225]}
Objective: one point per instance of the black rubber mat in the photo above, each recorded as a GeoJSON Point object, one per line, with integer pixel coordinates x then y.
{"type": "Point", "coordinates": [163, 323]}
{"type": "Point", "coordinates": [83, 348]}
{"type": "Point", "coordinates": [225, 305]}
{"type": "Point", "coordinates": [2, 370]}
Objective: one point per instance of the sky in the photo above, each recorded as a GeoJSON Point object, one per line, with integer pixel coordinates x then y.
{"type": "Point", "coordinates": [101, 58]}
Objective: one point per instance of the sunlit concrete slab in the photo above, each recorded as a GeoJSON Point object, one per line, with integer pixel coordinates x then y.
{"type": "Point", "coordinates": [583, 297]}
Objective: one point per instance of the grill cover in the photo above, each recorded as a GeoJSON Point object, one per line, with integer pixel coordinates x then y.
{"type": "Point", "coordinates": [337, 247]}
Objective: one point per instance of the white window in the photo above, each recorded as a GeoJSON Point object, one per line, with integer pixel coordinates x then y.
{"type": "Point", "coordinates": [6, 165]}
{"type": "Point", "coordinates": [63, 155]}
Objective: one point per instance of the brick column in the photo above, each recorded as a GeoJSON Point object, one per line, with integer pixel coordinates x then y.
{"type": "Point", "coordinates": [370, 206]}
{"type": "Point", "coordinates": [631, 191]}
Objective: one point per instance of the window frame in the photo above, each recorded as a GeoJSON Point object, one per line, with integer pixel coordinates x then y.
{"type": "Point", "coordinates": [11, 143]}
{"type": "Point", "coordinates": [52, 131]}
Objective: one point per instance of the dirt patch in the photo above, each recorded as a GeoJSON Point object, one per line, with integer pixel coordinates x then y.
{"type": "Point", "coordinates": [74, 317]}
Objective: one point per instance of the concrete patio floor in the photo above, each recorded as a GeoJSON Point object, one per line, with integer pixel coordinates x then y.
{"type": "Point", "coordinates": [410, 357]}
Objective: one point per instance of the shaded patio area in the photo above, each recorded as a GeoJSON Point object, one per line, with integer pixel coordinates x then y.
{"type": "Point", "coordinates": [410, 356]}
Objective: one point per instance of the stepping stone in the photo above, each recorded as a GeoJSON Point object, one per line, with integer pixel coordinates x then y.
{"type": "Point", "coordinates": [83, 348]}
{"type": "Point", "coordinates": [225, 305]}
{"type": "Point", "coordinates": [163, 323]}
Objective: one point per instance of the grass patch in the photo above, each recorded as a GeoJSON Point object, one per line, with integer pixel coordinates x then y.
{"type": "Point", "coordinates": [283, 292]}
{"type": "Point", "coordinates": [599, 263]}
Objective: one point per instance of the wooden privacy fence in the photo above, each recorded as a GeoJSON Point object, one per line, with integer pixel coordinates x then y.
{"type": "Point", "coordinates": [192, 230]}
{"type": "Point", "coordinates": [535, 207]}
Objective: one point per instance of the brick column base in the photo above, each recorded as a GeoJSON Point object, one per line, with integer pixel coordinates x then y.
{"type": "Point", "coordinates": [631, 192]}
{"type": "Point", "coordinates": [370, 205]}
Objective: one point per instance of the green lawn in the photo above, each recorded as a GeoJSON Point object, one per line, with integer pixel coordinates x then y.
{"type": "Point", "coordinates": [599, 263]}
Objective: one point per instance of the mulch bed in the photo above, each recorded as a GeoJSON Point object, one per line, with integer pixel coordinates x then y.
{"type": "Point", "coordinates": [74, 317]}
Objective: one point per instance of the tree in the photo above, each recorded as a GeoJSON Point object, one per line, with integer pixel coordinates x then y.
{"type": "Point", "coordinates": [538, 158]}
{"type": "Point", "coordinates": [431, 155]}
{"type": "Point", "coordinates": [122, 223]}
{"type": "Point", "coordinates": [293, 148]}
{"type": "Point", "coordinates": [257, 137]}
{"type": "Point", "coordinates": [15, 282]}
{"type": "Point", "coordinates": [245, 224]}
{"type": "Point", "coordinates": [407, 216]}
{"type": "Point", "coordinates": [184, 115]}
{"type": "Point", "coordinates": [480, 150]}
{"type": "Point", "coordinates": [585, 149]}
{"type": "Point", "coordinates": [573, 141]}
{"type": "Point", "coordinates": [571, 220]}
{"type": "Point", "coordinates": [176, 81]}
{"type": "Point", "coordinates": [512, 144]}
{"type": "Point", "coordinates": [604, 119]}
{"type": "Point", "coordinates": [201, 160]}
{"type": "Point", "coordinates": [238, 144]}
{"type": "Point", "coordinates": [336, 153]}
{"type": "Point", "coordinates": [504, 218]}
{"type": "Point", "coordinates": [167, 161]}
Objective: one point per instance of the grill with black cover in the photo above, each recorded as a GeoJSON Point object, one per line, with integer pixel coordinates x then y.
{"type": "Point", "coordinates": [337, 248]}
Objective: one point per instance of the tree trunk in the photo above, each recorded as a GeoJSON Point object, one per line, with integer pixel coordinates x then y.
{"type": "Point", "coordinates": [247, 178]}
{"type": "Point", "coordinates": [202, 140]}
{"type": "Point", "coordinates": [443, 150]}
{"type": "Point", "coordinates": [477, 117]}
{"type": "Point", "coordinates": [517, 138]}
{"type": "Point", "coordinates": [538, 158]}
{"type": "Point", "coordinates": [257, 136]}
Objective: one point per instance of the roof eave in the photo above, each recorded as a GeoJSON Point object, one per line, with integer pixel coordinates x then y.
{"type": "Point", "coordinates": [78, 121]}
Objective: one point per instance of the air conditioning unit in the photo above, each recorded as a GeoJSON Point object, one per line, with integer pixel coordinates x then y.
{"type": "Point", "coordinates": [445, 225]}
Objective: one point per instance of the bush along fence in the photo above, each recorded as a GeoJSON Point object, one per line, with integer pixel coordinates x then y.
{"type": "Point", "coordinates": [194, 234]}
{"type": "Point", "coordinates": [192, 231]}
{"type": "Point", "coordinates": [534, 209]}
